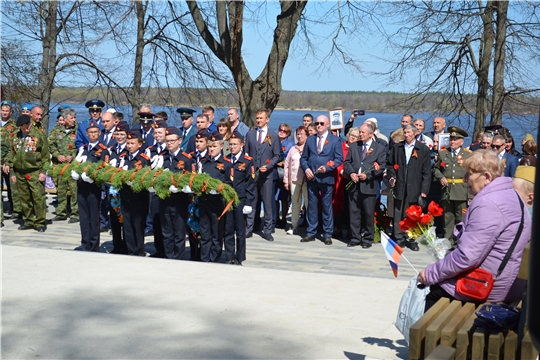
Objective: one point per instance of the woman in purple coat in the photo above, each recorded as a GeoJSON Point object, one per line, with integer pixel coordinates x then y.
{"type": "Point", "coordinates": [485, 235]}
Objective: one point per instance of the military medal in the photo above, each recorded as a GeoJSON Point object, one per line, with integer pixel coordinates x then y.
{"type": "Point", "coordinates": [232, 174]}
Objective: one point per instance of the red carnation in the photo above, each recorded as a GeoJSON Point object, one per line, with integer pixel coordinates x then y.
{"type": "Point", "coordinates": [27, 176]}
{"type": "Point", "coordinates": [376, 166]}
{"type": "Point", "coordinates": [414, 212]}
{"type": "Point", "coordinates": [443, 164]}
{"type": "Point", "coordinates": [268, 161]}
{"type": "Point", "coordinates": [443, 147]}
{"type": "Point", "coordinates": [330, 163]}
{"type": "Point", "coordinates": [425, 219]}
{"type": "Point", "coordinates": [396, 167]}
{"type": "Point", "coordinates": [12, 134]}
{"type": "Point", "coordinates": [70, 146]}
{"type": "Point", "coordinates": [434, 209]}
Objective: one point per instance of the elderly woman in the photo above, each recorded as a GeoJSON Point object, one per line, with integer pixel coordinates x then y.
{"type": "Point", "coordinates": [294, 178]}
{"type": "Point", "coordinates": [485, 235]}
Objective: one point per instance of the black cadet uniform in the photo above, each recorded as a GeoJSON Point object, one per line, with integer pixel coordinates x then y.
{"type": "Point", "coordinates": [135, 205]}
{"type": "Point", "coordinates": [89, 197]}
{"type": "Point", "coordinates": [173, 210]}
{"type": "Point", "coordinates": [211, 207]}
{"type": "Point", "coordinates": [242, 177]}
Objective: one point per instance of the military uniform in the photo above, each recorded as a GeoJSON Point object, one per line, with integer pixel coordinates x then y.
{"type": "Point", "coordinates": [62, 142]}
{"type": "Point", "coordinates": [153, 222]}
{"type": "Point", "coordinates": [28, 157]}
{"type": "Point", "coordinates": [89, 198]}
{"type": "Point", "coordinates": [449, 165]}
{"type": "Point", "coordinates": [242, 177]}
{"type": "Point", "coordinates": [6, 136]}
{"type": "Point", "coordinates": [211, 207]}
{"type": "Point", "coordinates": [117, 154]}
{"type": "Point", "coordinates": [173, 210]}
{"type": "Point", "coordinates": [134, 207]}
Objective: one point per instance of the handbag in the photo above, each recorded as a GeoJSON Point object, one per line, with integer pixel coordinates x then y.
{"type": "Point", "coordinates": [498, 317]}
{"type": "Point", "coordinates": [477, 283]}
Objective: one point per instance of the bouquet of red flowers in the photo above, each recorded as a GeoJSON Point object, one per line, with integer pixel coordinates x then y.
{"type": "Point", "coordinates": [419, 226]}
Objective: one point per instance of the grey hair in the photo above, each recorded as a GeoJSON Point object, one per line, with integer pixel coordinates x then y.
{"type": "Point", "coordinates": [370, 128]}
{"type": "Point", "coordinates": [69, 111]}
{"type": "Point", "coordinates": [418, 119]}
{"type": "Point", "coordinates": [410, 127]}
{"type": "Point", "coordinates": [488, 135]}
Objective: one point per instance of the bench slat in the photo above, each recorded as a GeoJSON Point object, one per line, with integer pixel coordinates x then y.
{"type": "Point", "coordinates": [478, 344]}
{"type": "Point", "coordinates": [464, 337]}
{"type": "Point", "coordinates": [510, 346]}
{"type": "Point", "coordinates": [449, 332]}
{"type": "Point", "coordinates": [528, 351]}
{"type": "Point", "coordinates": [442, 352]}
{"type": "Point", "coordinates": [495, 342]}
{"type": "Point", "coordinates": [433, 331]}
{"type": "Point", "coordinates": [417, 332]}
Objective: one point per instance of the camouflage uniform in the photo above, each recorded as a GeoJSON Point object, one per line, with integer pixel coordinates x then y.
{"type": "Point", "coordinates": [28, 158]}
{"type": "Point", "coordinates": [7, 131]}
{"type": "Point", "coordinates": [62, 142]}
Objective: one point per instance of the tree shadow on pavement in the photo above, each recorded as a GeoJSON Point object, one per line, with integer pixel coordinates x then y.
{"type": "Point", "coordinates": [402, 350]}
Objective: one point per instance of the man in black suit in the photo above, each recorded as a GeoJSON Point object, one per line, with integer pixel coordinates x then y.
{"type": "Point", "coordinates": [409, 173]}
{"type": "Point", "coordinates": [365, 164]}
{"type": "Point", "coordinates": [263, 145]}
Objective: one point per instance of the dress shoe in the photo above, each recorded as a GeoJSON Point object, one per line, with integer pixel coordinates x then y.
{"type": "Point", "coordinates": [249, 235]}
{"type": "Point", "coordinates": [148, 233]}
{"type": "Point", "coordinates": [337, 233]}
{"type": "Point", "coordinates": [41, 229]}
{"type": "Point", "coordinates": [158, 255]}
{"type": "Point", "coordinates": [25, 227]}
{"type": "Point", "coordinates": [268, 236]}
{"type": "Point", "coordinates": [413, 245]}
{"type": "Point", "coordinates": [72, 221]}
{"type": "Point", "coordinates": [308, 239]}
{"type": "Point", "coordinates": [232, 262]}
{"type": "Point", "coordinates": [59, 218]}
{"type": "Point", "coordinates": [353, 244]}
{"type": "Point", "coordinates": [366, 246]}
{"type": "Point", "coordinates": [1, 224]}
{"type": "Point", "coordinates": [327, 241]}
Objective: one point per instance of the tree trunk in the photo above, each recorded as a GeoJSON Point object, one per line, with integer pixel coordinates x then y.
{"type": "Point", "coordinates": [140, 7]}
{"type": "Point", "coordinates": [499, 63]}
{"type": "Point", "coordinates": [264, 91]}
{"type": "Point", "coordinates": [48, 62]}
{"type": "Point", "coordinates": [486, 49]}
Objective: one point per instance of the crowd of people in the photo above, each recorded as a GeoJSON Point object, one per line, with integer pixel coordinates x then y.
{"type": "Point", "coordinates": [332, 180]}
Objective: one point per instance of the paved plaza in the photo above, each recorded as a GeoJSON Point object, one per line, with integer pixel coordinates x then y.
{"type": "Point", "coordinates": [289, 300]}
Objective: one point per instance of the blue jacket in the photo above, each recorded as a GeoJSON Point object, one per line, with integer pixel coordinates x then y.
{"type": "Point", "coordinates": [185, 139]}
{"type": "Point", "coordinates": [330, 157]}
{"type": "Point", "coordinates": [510, 164]}
{"type": "Point", "coordinates": [266, 154]}
{"type": "Point", "coordinates": [81, 137]}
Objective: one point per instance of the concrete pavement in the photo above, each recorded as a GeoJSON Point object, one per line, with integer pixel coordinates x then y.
{"type": "Point", "coordinates": [289, 300]}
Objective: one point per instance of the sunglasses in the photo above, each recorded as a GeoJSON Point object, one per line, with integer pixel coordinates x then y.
{"type": "Point", "coordinates": [283, 130]}
{"type": "Point", "coordinates": [496, 146]}
{"type": "Point", "coordinates": [95, 111]}
{"type": "Point", "coordinates": [319, 123]}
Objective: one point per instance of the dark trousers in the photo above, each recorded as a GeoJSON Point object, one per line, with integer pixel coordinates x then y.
{"type": "Point", "coordinates": [399, 214]}
{"type": "Point", "coordinates": [7, 180]}
{"type": "Point", "coordinates": [134, 210]}
{"type": "Point", "coordinates": [361, 209]}
{"type": "Point", "coordinates": [117, 229]}
{"type": "Point", "coordinates": [88, 199]}
{"type": "Point", "coordinates": [105, 208]}
{"type": "Point", "coordinates": [173, 212]}
{"type": "Point", "coordinates": [194, 248]}
{"type": "Point", "coordinates": [325, 191]}
{"type": "Point", "coordinates": [236, 225]}
{"type": "Point", "coordinates": [212, 229]}
{"type": "Point", "coordinates": [156, 223]}
{"type": "Point", "coordinates": [265, 187]}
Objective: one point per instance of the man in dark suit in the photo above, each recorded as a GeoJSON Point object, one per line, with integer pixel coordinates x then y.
{"type": "Point", "coordinates": [202, 122]}
{"type": "Point", "coordinates": [263, 145]}
{"type": "Point", "coordinates": [409, 173]}
{"type": "Point", "coordinates": [510, 161]}
{"type": "Point", "coordinates": [322, 154]}
{"type": "Point", "coordinates": [365, 164]}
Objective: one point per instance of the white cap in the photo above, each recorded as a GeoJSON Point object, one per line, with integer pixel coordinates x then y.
{"type": "Point", "coordinates": [374, 121]}
{"type": "Point", "coordinates": [111, 110]}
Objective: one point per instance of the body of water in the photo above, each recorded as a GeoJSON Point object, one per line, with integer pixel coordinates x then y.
{"type": "Point", "coordinates": [388, 122]}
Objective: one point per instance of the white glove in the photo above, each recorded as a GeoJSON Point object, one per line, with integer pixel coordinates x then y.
{"type": "Point", "coordinates": [113, 162]}
{"type": "Point", "coordinates": [247, 210]}
{"type": "Point", "coordinates": [129, 183]}
{"type": "Point", "coordinates": [156, 162]}
{"type": "Point", "coordinates": [151, 189]}
{"type": "Point", "coordinates": [80, 157]}
{"type": "Point", "coordinates": [75, 175]}
{"type": "Point", "coordinates": [125, 167]}
{"type": "Point", "coordinates": [186, 189]}
{"type": "Point", "coordinates": [166, 170]}
{"type": "Point", "coordinates": [86, 178]}
{"type": "Point", "coordinates": [173, 189]}
{"type": "Point", "coordinates": [213, 192]}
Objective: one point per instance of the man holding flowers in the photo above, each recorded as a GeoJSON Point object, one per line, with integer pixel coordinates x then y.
{"type": "Point", "coordinates": [409, 173]}
{"type": "Point", "coordinates": [364, 165]}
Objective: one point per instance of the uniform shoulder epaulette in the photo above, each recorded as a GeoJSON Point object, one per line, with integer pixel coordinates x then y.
{"type": "Point", "coordinates": [226, 159]}
{"type": "Point", "coordinates": [102, 146]}
{"type": "Point", "coordinates": [144, 156]}
{"type": "Point", "coordinates": [186, 155]}
{"type": "Point", "coordinates": [150, 147]}
{"type": "Point", "coordinates": [467, 150]}
{"type": "Point", "coordinates": [248, 157]}
{"type": "Point", "coordinates": [163, 153]}
{"type": "Point", "coordinates": [443, 150]}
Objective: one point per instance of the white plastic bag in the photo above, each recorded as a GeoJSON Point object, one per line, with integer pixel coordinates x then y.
{"type": "Point", "coordinates": [411, 307]}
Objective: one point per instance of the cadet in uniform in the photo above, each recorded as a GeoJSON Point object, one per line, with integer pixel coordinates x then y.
{"type": "Point", "coordinates": [28, 156]}
{"type": "Point", "coordinates": [242, 177]}
{"type": "Point", "coordinates": [134, 205]}
{"type": "Point", "coordinates": [173, 210]}
{"type": "Point", "coordinates": [118, 155]}
{"type": "Point", "coordinates": [449, 171]}
{"type": "Point", "coordinates": [63, 151]}
{"type": "Point", "coordinates": [88, 193]}
{"type": "Point", "coordinates": [153, 152]}
{"type": "Point", "coordinates": [211, 205]}
{"type": "Point", "coordinates": [94, 107]}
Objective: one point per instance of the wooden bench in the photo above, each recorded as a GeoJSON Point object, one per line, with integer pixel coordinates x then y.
{"type": "Point", "coordinates": [446, 331]}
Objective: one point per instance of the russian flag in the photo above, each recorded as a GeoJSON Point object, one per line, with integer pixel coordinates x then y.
{"type": "Point", "coordinates": [392, 250]}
